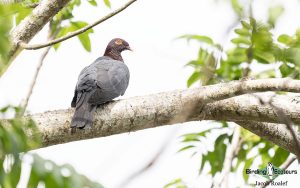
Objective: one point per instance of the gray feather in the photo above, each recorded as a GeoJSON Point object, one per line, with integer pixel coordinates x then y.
{"type": "Point", "coordinates": [98, 83]}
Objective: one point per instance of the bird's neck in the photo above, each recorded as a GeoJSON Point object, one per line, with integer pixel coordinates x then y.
{"type": "Point", "coordinates": [116, 55]}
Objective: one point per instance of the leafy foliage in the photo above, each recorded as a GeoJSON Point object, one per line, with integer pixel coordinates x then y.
{"type": "Point", "coordinates": [73, 26]}
{"type": "Point", "coordinates": [206, 63]}
{"type": "Point", "coordinates": [52, 175]}
{"type": "Point", "coordinates": [8, 13]}
{"type": "Point", "coordinates": [253, 44]}
{"type": "Point", "coordinates": [14, 140]}
{"type": "Point", "coordinates": [66, 16]}
{"type": "Point", "coordinates": [70, 25]}
{"type": "Point", "coordinates": [215, 158]}
{"type": "Point", "coordinates": [14, 144]}
{"type": "Point", "coordinates": [14, 12]}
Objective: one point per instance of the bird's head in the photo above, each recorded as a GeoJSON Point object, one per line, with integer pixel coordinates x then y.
{"type": "Point", "coordinates": [115, 47]}
{"type": "Point", "coordinates": [119, 45]}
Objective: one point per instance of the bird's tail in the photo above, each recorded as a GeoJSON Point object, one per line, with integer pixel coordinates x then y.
{"type": "Point", "coordinates": [84, 113]}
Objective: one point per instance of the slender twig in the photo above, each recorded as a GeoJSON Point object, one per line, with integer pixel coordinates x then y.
{"type": "Point", "coordinates": [284, 166]}
{"type": "Point", "coordinates": [229, 156]}
{"type": "Point", "coordinates": [38, 68]}
{"type": "Point", "coordinates": [75, 33]}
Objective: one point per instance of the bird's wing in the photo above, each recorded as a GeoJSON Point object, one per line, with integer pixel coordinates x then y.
{"type": "Point", "coordinates": [85, 84]}
{"type": "Point", "coordinates": [74, 100]}
{"type": "Point", "coordinates": [88, 76]}
{"type": "Point", "coordinates": [112, 81]}
{"type": "Point", "coordinates": [119, 76]}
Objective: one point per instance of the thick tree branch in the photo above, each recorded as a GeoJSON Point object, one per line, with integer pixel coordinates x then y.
{"type": "Point", "coordinates": [75, 33]}
{"type": "Point", "coordinates": [168, 108]}
{"type": "Point", "coordinates": [276, 133]}
{"type": "Point", "coordinates": [33, 23]}
{"type": "Point", "coordinates": [288, 122]}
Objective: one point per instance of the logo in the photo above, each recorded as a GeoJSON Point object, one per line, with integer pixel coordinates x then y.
{"type": "Point", "coordinates": [270, 173]}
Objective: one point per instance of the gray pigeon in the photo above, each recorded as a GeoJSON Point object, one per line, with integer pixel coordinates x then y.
{"type": "Point", "coordinates": [100, 82]}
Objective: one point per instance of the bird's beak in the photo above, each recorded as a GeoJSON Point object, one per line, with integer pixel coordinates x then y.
{"type": "Point", "coordinates": [128, 48]}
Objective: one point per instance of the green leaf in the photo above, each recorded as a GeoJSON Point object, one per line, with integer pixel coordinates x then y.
{"type": "Point", "coordinates": [229, 70]}
{"type": "Point", "coordinates": [208, 69]}
{"type": "Point", "coordinates": [243, 32]}
{"type": "Point", "coordinates": [15, 173]}
{"type": "Point", "coordinates": [193, 63]}
{"type": "Point", "coordinates": [85, 41]}
{"type": "Point", "coordinates": [6, 23]}
{"type": "Point", "coordinates": [195, 137]}
{"type": "Point", "coordinates": [261, 38]}
{"type": "Point", "coordinates": [237, 55]}
{"type": "Point", "coordinates": [285, 39]}
{"type": "Point", "coordinates": [238, 9]}
{"type": "Point", "coordinates": [216, 158]}
{"type": "Point", "coordinates": [75, 2]}
{"type": "Point", "coordinates": [78, 25]}
{"type": "Point", "coordinates": [205, 67]}
{"type": "Point", "coordinates": [178, 183]}
{"type": "Point", "coordinates": [92, 2]}
{"type": "Point", "coordinates": [54, 177]}
{"type": "Point", "coordinates": [264, 153]}
{"type": "Point", "coordinates": [186, 148]}
{"type": "Point", "coordinates": [280, 157]}
{"type": "Point", "coordinates": [62, 32]}
{"type": "Point", "coordinates": [202, 55]}
{"type": "Point", "coordinates": [264, 57]}
{"type": "Point", "coordinates": [203, 162]}
{"type": "Point", "coordinates": [107, 3]}
{"type": "Point", "coordinates": [247, 165]}
{"type": "Point", "coordinates": [241, 41]}
{"type": "Point", "coordinates": [84, 37]}
{"type": "Point", "coordinates": [193, 78]}
{"type": "Point", "coordinates": [13, 141]}
{"type": "Point", "coordinates": [293, 55]}
{"type": "Point", "coordinates": [246, 25]}
{"type": "Point", "coordinates": [200, 38]}
{"type": "Point", "coordinates": [286, 70]}
{"type": "Point", "coordinates": [191, 137]}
